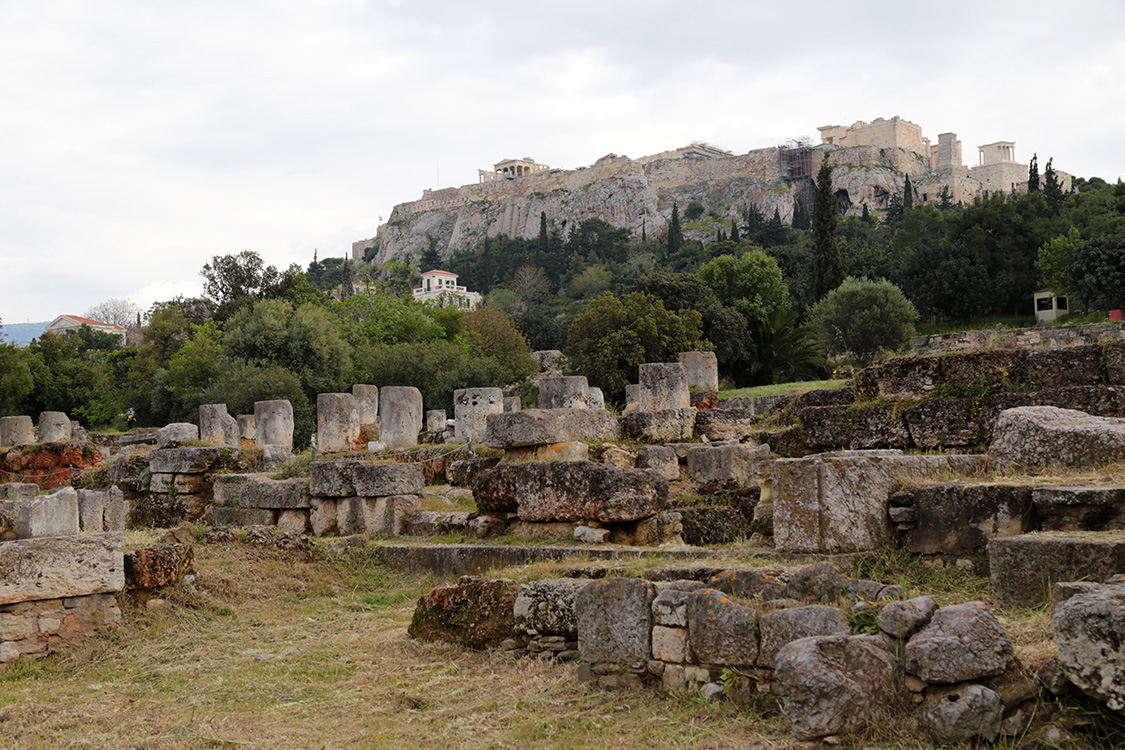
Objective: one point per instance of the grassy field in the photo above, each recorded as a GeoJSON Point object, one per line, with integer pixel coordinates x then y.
{"type": "Point", "coordinates": [780, 389]}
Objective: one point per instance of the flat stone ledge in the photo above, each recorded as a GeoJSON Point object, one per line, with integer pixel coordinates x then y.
{"type": "Point", "coordinates": [59, 567]}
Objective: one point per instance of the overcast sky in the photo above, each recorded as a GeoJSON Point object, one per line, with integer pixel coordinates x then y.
{"type": "Point", "coordinates": [139, 139]}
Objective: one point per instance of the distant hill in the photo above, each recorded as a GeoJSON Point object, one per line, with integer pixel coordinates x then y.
{"type": "Point", "coordinates": [21, 334]}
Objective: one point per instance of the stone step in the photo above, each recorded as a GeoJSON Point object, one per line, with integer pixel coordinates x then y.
{"type": "Point", "coordinates": [1025, 567]}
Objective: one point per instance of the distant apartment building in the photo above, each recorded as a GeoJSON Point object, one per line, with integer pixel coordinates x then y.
{"type": "Point", "coordinates": [66, 323]}
{"type": "Point", "coordinates": [441, 287]}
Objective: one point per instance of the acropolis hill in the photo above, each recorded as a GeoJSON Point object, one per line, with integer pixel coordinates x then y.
{"type": "Point", "coordinates": [872, 159]}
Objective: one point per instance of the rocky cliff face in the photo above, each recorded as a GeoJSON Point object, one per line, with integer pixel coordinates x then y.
{"type": "Point", "coordinates": [634, 194]}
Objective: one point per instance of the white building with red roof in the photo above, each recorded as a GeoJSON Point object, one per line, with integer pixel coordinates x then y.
{"type": "Point", "coordinates": [441, 287]}
{"type": "Point", "coordinates": [65, 323]}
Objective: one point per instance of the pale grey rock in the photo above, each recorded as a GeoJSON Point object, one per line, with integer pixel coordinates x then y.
{"type": "Point", "coordinates": [589, 535]}
{"type": "Point", "coordinates": [228, 489]}
{"type": "Point", "coordinates": [511, 403]}
{"type": "Point", "coordinates": [400, 416]}
{"type": "Point", "coordinates": [296, 521]}
{"type": "Point", "coordinates": [337, 423]}
{"type": "Point", "coordinates": [195, 460]}
{"type": "Point", "coordinates": [663, 426]}
{"type": "Point", "coordinates": [53, 515]}
{"type": "Point", "coordinates": [247, 427]}
{"type": "Point", "coordinates": [661, 459]}
{"type": "Point", "coordinates": [435, 522]}
{"type": "Point", "coordinates": [366, 403]}
{"type": "Point", "coordinates": [1089, 629]}
{"type": "Point", "coordinates": [664, 385]}
{"type": "Point", "coordinates": [387, 516]}
{"type": "Point", "coordinates": [963, 713]}
{"type": "Point", "coordinates": [16, 430]}
{"type": "Point", "coordinates": [217, 427]}
{"type": "Point", "coordinates": [781, 626]}
{"type": "Point", "coordinates": [721, 631]}
{"type": "Point", "coordinates": [546, 607]}
{"type": "Point", "coordinates": [961, 643]}
{"type": "Point", "coordinates": [277, 494]}
{"type": "Point", "coordinates": [273, 422]}
{"type": "Point", "coordinates": [331, 479]}
{"type": "Point", "coordinates": [726, 467]}
{"type": "Point", "coordinates": [54, 427]}
{"type": "Point", "coordinates": [563, 392]}
{"type": "Point", "coordinates": [59, 567]}
{"type": "Point", "coordinates": [177, 434]}
{"type": "Point", "coordinates": [904, 619]}
{"type": "Point", "coordinates": [91, 510]}
{"type": "Point", "coordinates": [595, 399]}
{"type": "Point", "coordinates": [614, 620]}
{"type": "Point", "coordinates": [351, 516]}
{"type": "Point", "coordinates": [549, 426]}
{"type": "Point", "coordinates": [701, 370]}
{"type": "Point", "coordinates": [275, 457]}
{"type": "Point", "coordinates": [435, 420]}
{"type": "Point", "coordinates": [1039, 435]}
{"type": "Point", "coordinates": [381, 480]}
{"type": "Point", "coordinates": [323, 516]}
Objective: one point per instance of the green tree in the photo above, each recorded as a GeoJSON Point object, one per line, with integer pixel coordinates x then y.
{"type": "Point", "coordinates": [1098, 271]}
{"type": "Point", "coordinates": [787, 351]}
{"type": "Point", "coordinates": [827, 270]}
{"type": "Point", "coordinates": [1054, 259]}
{"type": "Point", "coordinates": [750, 283]}
{"type": "Point", "coordinates": [862, 317]}
{"type": "Point", "coordinates": [591, 282]}
{"type": "Point", "coordinates": [694, 210]}
{"type": "Point", "coordinates": [615, 335]}
{"type": "Point", "coordinates": [429, 259]}
{"type": "Point", "coordinates": [1033, 174]}
{"type": "Point", "coordinates": [907, 195]}
{"type": "Point", "coordinates": [675, 233]}
{"type": "Point", "coordinates": [494, 334]}
{"type": "Point", "coordinates": [734, 236]}
{"type": "Point", "coordinates": [16, 381]}
{"type": "Point", "coordinates": [1052, 189]}
{"type": "Point", "coordinates": [371, 318]}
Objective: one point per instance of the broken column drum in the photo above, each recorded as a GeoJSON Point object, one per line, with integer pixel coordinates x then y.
{"type": "Point", "coordinates": [273, 422]}
{"type": "Point", "coordinates": [471, 407]}
{"type": "Point", "coordinates": [400, 416]}
{"type": "Point", "coordinates": [337, 422]}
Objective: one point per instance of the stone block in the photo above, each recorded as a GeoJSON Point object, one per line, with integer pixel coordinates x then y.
{"type": "Point", "coordinates": [663, 386]}
{"type": "Point", "coordinates": [387, 516]}
{"type": "Point", "coordinates": [726, 423]}
{"type": "Point", "coordinates": [436, 522]}
{"type": "Point", "coordinates": [595, 399]}
{"type": "Point", "coordinates": [381, 480]}
{"type": "Point", "coordinates": [959, 519]}
{"type": "Point", "coordinates": [962, 713]}
{"type": "Point", "coordinates": [665, 426]}
{"type": "Point", "coordinates": [184, 460]}
{"type": "Point", "coordinates": [902, 619]}
{"type": "Point", "coordinates": [553, 452]}
{"type": "Point", "coordinates": [1039, 435]}
{"type": "Point", "coordinates": [1115, 363]}
{"type": "Point", "coordinates": [156, 567]}
{"type": "Point", "coordinates": [91, 510]}
{"type": "Point", "coordinates": [614, 620]}
{"type": "Point", "coordinates": [701, 370]}
{"type": "Point", "coordinates": [351, 516]}
{"type": "Point", "coordinates": [1048, 369]}
{"type": "Point", "coordinates": [115, 511]}
{"type": "Point", "coordinates": [780, 627]}
{"type": "Point", "coordinates": [476, 613]}
{"type": "Point", "coordinates": [661, 459]}
{"type": "Point", "coordinates": [571, 491]}
{"type": "Point", "coordinates": [669, 608]}
{"type": "Point", "coordinates": [564, 392]}
{"type": "Point", "coordinates": [217, 427]}
{"type": "Point", "coordinates": [720, 631]}
{"type": "Point", "coordinates": [548, 360]}
{"type": "Point", "coordinates": [180, 483]}
{"type": "Point", "coordinates": [670, 644]}
{"type": "Point", "coordinates": [366, 403]}
{"type": "Point", "coordinates": [400, 416]}
{"type": "Point", "coordinates": [714, 468]}
{"type": "Point", "coordinates": [471, 407]}
{"type": "Point", "coordinates": [57, 567]}
{"type": "Point", "coordinates": [549, 426]}
{"type": "Point", "coordinates": [546, 607]}
{"type": "Point", "coordinates": [275, 457]}
{"type": "Point", "coordinates": [1079, 508]}
{"type": "Point", "coordinates": [460, 473]}
{"type": "Point", "coordinates": [633, 395]}
{"type": "Point", "coordinates": [323, 516]}
{"type": "Point", "coordinates": [337, 423]}
{"type": "Point", "coordinates": [900, 379]}
{"type": "Point", "coordinates": [228, 489]}
{"type": "Point", "coordinates": [247, 428]}
{"type": "Point", "coordinates": [54, 427]}
{"type": "Point", "coordinates": [296, 521]}
{"type": "Point", "coordinates": [331, 478]}
{"type": "Point", "coordinates": [435, 420]}
{"type": "Point", "coordinates": [961, 643]}
{"type": "Point", "coordinates": [1088, 630]}
{"type": "Point", "coordinates": [619, 456]}
{"type": "Point", "coordinates": [511, 403]}
{"type": "Point", "coordinates": [50, 515]}
{"type": "Point", "coordinates": [273, 422]}
{"type": "Point", "coordinates": [1024, 568]}
{"type": "Point", "coordinates": [279, 494]}
{"type": "Point", "coordinates": [755, 583]}
{"type": "Point", "coordinates": [16, 431]}
{"type": "Point", "coordinates": [944, 422]}
{"type": "Point", "coordinates": [177, 434]}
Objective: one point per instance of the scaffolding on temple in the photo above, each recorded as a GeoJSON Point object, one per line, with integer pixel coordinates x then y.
{"type": "Point", "coordinates": [795, 158]}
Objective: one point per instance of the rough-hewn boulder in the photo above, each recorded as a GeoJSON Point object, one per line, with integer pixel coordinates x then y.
{"type": "Point", "coordinates": [1037, 435]}
{"type": "Point", "coordinates": [963, 713]}
{"type": "Point", "coordinates": [905, 618]}
{"type": "Point", "coordinates": [571, 491]}
{"type": "Point", "coordinates": [664, 426]}
{"type": "Point", "coordinates": [547, 426]}
{"type": "Point", "coordinates": [476, 613]}
{"type": "Point", "coordinates": [782, 626]}
{"type": "Point", "coordinates": [156, 567]}
{"type": "Point", "coordinates": [546, 607]}
{"type": "Point", "coordinates": [721, 631]}
{"type": "Point", "coordinates": [962, 643]}
{"type": "Point", "coordinates": [725, 423]}
{"type": "Point", "coordinates": [725, 467]}
{"type": "Point", "coordinates": [1090, 631]}
{"type": "Point", "coordinates": [1061, 368]}
{"type": "Point", "coordinates": [765, 583]}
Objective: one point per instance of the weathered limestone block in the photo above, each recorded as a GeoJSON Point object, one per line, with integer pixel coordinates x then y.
{"type": "Point", "coordinates": [725, 423]}
{"type": "Point", "coordinates": [663, 386]}
{"type": "Point", "coordinates": [565, 392]}
{"type": "Point", "coordinates": [633, 395]}
{"type": "Point", "coordinates": [177, 434]}
{"type": "Point", "coordinates": [614, 619]}
{"type": "Point", "coordinates": [943, 422]}
{"type": "Point", "coordinates": [963, 713]}
{"type": "Point", "coordinates": [1061, 368]}
{"type": "Point", "coordinates": [879, 426]}
{"type": "Point", "coordinates": [665, 426]}
{"type": "Point", "coordinates": [1115, 363]}
{"type": "Point", "coordinates": [781, 626]}
{"type": "Point", "coordinates": [331, 478]}
{"type": "Point", "coordinates": [546, 607]}
{"type": "Point", "coordinates": [549, 426]}
{"type": "Point", "coordinates": [547, 359]}
{"type": "Point", "coordinates": [754, 583]}
{"type": "Point", "coordinates": [280, 494]}
{"type": "Point", "coordinates": [337, 423]}
{"type": "Point", "coordinates": [1024, 568]}
{"type": "Point", "coordinates": [619, 456]}
{"type": "Point", "coordinates": [725, 467]}
{"type": "Point", "coordinates": [217, 427]}
{"type": "Point", "coordinates": [554, 452]}
{"type": "Point", "coordinates": [351, 516]}
{"type": "Point", "coordinates": [54, 427]}
{"type": "Point", "coordinates": [16, 431]}
{"type": "Point", "coordinates": [661, 459]}
{"type": "Point", "coordinates": [50, 515]}
{"type": "Point", "coordinates": [276, 457]}
{"type": "Point", "coordinates": [323, 516]}
{"type": "Point", "coordinates": [91, 510]}
{"type": "Point", "coordinates": [247, 428]}
{"type": "Point", "coordinates": [670, 644]}
{"type": "Point", "coordinates": [1088, 630]}
{"type": "Point", "coordinates": [400, 416]}
{"type": "Point", "coordinates": [571, 491]}
{"type": "Point", "coordinates": [595, 399]}
{"type": "Point", "coordinates": [159, 566]}
{"type": "Point", "coordinates": [701, 370]}
{"type": "Point", "coordinates": [57, 567]}
{"type": "Point", "coordinates": [461, 473]}
{"type": "Point", "coordinates": [366, 403]}
{"type": "Point", "coordinates": [834, 683]}
{"type": "Point", "coordinates": [712, 524]}
{"type": "Point", "coordinates": [115, 510]}
{"type": "Point", "coordinates": [435, 522]}
{"type": "Point", "coordinates": [903, 619]}
{"type": "Point", "coordinates": [664, 527]}
{"type": "Point", "coordinates": [900, 378]}
{"type": "Point", "coordinates": [1037, 435]}
{"type": "Point", "coordinates": [1079, 508]}
{"type": "Point", "coordinates": [827, 582]}
{"type": "Point", "coordinates": [511, 403]}
{"type": "Point", "coordinates": [471, 407]}
{"type": "Point", "coordinates": [180, 483]}
{"type": "Point", "coordinates": [183, 460]}
{"type": "Point", "coordinates": [435, 420]}
{"type": "Point", "coordinates": [273, 422]}
{"type": "Point", "coordinates": [387, 516]}
{"type": "Point", "coordinates": [959, 519]}
{"type": "Point", "coordinates": [381, 480]}
{"type": "Point", "coordinates": [228, 489]}
{"type": "Point", "coordinates": [296, 521]}
{"type": "Point", "coordinates": [838, 501]}
{"type": "Point", "coordinates": [720, 631]}
{"type": "Point", "coordinates": [961, 643]}
{"type": "Point", "coordinates": [476, 613]}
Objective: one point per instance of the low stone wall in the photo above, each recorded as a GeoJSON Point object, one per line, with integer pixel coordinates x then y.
{"type": "Point", "coordinates": [1022, 338]}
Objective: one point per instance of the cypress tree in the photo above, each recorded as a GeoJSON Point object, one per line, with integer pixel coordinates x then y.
{"type": "Point", "coordinates": [907, 195]}
{"type": "Point", "coordinates": [734, 236]}
{"type": "Point", "coordinates": [827, 269]}
{"type": "Point", "coordinates": [1052, 190]}
{"type": "Point", "coordinates": [543, 242]}
{"type": "Point", "coordinates": [675, 234]}
{"type": "Point", "coordinates": [1033, 174]}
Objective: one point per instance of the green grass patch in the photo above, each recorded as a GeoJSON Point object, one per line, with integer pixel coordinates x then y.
{"type": "Point", "coordinates": [780, 389]}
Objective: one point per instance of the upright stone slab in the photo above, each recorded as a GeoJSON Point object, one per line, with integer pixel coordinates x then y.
{"type": "Point", "coordinates": [565, 392]}
{"type": "Point", "coordinates": [664, 386]}
{"type": "Point", "coordinates": [247, 428]}
{"type": "Point", "coordinates": [366, 403]}
{"type": "Point", "coordinates": [471, 407]}
{"type": "Point", "coordinates": [91, 510]}
{"type": "Point", "coordinates": [713, 468]}
{"type": "Point", "coordinates": [54, 427]}
{"type": "Point", "coordinates": [217, 427]}
{"type": "Point", "coordinates": [337, 423]}
{"type": "Point", "coordinates": [274, 423]}
{"type": "Point", "coordinates": [55, 514]}
{"type": "Point", "coordinates": [614, 619]}
{"type": "Point", "coordinates": [595, 399]}
{"type": "Point", "coordinates": [632, 395]}
{"type": "Point", "coordinates": [16, 431]}
{"type": "Point", "coordinates": [435, 420]}
{"type": "Point", "coordinates": [400, 416]}
{"type": "Point", "coordinates": [701, 369]}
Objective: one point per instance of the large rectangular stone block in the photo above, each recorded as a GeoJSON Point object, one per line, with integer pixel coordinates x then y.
{"type": "Point", "coordinates": [55, 514]}
{"type": "Point", "coordinates": [382, 480]}
{"type": "Point", "coordinates": [1023, 568]}
{"type": "Point", "coordinates": [959, 519]}
{"type": "Point", "coordinates": [337, 423]}
{"type": "Point", "coordinates": [547, 426]}
{"type": "Point", "coordinates": [563, 392]}
{"type": "Point", "coordinates": [57, 567]}
{"type": "Point", "coordinates": [471, 407]}
{"type": "Point", "coordinates": [400, 416]}
{"type": "Point", "coordinates": [614, 620]}
{"type": "Point", "coordinates": [281, 494]}
{"type": "Point", "coordinates": [664, 385]}
{"type": "Point", "coordinates": [725, 467]}
{"type": "Point", "coordinates": [183, 460]}
{"type": "Point", "coordinates": [217, 427]}
{"type": "Point", "coordinates": [387, 516]}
